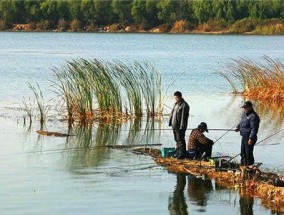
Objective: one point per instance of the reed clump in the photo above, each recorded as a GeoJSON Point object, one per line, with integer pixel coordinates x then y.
{"type": "Point", "coordinates": [104, 90]}
{"type": "Point", "coordinates": [263, 82]}
{"type": "Point", "coordinates": [42, 107]}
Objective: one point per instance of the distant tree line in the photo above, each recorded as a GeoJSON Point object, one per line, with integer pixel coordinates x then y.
{"type": "Point", "coordinates": [147, 13]}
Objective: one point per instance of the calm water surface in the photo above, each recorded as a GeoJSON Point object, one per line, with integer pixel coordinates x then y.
{"type": "Point", "coordinates": [76, 175]}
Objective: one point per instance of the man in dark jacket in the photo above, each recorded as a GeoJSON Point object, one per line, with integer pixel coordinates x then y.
{"type": "Point", "coordinates": [248, 128]}
{"type": "Point", "coordinates": [198, 144]}
{"type": "Point", "coordinates": [178, 121]}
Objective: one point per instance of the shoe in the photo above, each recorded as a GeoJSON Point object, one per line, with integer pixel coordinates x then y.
{"type": "Point", "coordinates": [175, 156]}
{"type": "Point", "coordinates": [180, 157]}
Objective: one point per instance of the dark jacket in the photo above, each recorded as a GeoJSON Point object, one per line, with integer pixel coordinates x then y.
{"type": "Point", "coordinates": [249, 125]}
{"type": "Point", "coordinates": [178, 120]}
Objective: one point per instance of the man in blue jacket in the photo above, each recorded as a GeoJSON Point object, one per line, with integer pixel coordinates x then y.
{"type": "Point", "coordinates": [178, 121]}
{"type": "Point", "coordinates": [248, 128]}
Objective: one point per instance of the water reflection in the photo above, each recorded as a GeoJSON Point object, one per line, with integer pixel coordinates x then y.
{"type": "Point", "coordinates": [177, 203]}
{"type": "Point", "coordinates": [93, 142]}
{"type": "Point", "coordinates": [246, 203]}
{"type": "Point", "coordinates": [202, 190]}
{"type": "Point", "coordinates": [198, 190]}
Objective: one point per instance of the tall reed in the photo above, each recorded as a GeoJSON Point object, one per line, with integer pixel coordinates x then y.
{"type": "Point", "coordinates": [257, 81]}
{"type": "Point", "coordinates": [108, 89]}
{"type": "Point", "coordinates": [42, 107]}
{"type": "Point", "coordinates": [28, 108]}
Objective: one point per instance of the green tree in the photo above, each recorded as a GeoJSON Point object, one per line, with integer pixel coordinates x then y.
{"type": "Point", "coordinates": [32, 9]}
{"type": "Point", "coordinates": [8, 12]}
{"type": "Point", "coordinates": [76, 10]}
{"type": "Point", "coordinates": [123, 10]}
{"type": "Point", "coordinates": [104, 14]}
{"type": "Point", "coordinates": [63, 9]}
{"type": "Point", "coordinates": [49, 11]}
{"type": "Point", "coordinates": [138, 11]}
{"type": "Point", "coordinates": [203, 10]}
{"type": "Point", "coordinates": [88, 10]}
{"type": "Point", "coordinates": [167, 11]}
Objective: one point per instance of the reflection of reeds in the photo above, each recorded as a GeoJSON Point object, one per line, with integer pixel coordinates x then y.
{"type": "Point", "coordinates": [82, 83]}
{"type": "Point", "coordinates": [257, 81]}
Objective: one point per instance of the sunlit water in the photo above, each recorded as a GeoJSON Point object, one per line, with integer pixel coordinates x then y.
{"type": "Point", "coordinates": [51, 175]}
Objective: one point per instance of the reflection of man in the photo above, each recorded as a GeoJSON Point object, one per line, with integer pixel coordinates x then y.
{"type": "Point", "coordinates": [198, 190]}
{"type": "Point", "coordinates": [246, 204]}
{"type": "Point", "coordinates": [198, 144]}
{"type": "Point", "coordinates": [248, 128]}
{"type": "Point", "coordinates": [177, 204]}
{"type": "Point", "coordinates": [178, 121]}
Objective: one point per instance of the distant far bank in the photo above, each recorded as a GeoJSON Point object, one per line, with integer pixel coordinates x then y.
{"type": "Point", "coordinates": [249, 25]}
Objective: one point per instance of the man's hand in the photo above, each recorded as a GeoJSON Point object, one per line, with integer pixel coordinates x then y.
{"type": "Point", "coordinates": [250, 142]}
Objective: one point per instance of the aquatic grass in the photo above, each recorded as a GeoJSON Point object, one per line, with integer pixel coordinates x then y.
{"type": "Point", "coordinates": [42, 107]}
{"type": "Point", "coordinates": [29, 109]}
{"type": "Point", "coordinates": [97, 89]}
{"type": "Point", "coordinates": [256, 81]}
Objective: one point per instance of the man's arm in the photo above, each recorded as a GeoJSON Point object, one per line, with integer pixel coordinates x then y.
{"type": "Point", "coordinates": [254, 125]}
{"type": "Point", "coordinates": [171, 117]}
{"type": "Point", "coordinates": [184, 117]}
{"type": "Point", "coordinates": [204, 140]}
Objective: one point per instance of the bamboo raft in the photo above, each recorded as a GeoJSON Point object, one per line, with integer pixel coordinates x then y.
{"type": "Point", "coordinates": [265, 185]}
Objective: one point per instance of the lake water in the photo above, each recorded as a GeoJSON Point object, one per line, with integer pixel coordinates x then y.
{"type": "Point", "coordinates": [76, 175]}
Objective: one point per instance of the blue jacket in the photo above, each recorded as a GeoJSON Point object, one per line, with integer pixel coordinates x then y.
{"type": "Point", "coordinates": [249, 125]}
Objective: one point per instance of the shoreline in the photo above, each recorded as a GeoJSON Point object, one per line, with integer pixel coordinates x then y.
{"type": "Point", "coordinates": [147, 32]}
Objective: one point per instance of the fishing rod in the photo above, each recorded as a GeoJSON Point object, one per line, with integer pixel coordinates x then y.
{"type": "Point", "coordinates": [88, 148]}
{"type": "Point", "coordinates": [260, 142]}
{"type": "Point", "coordinates": [170, 129]}
{"type": "Point", "coordinates": [227, 131]}
{"type": "Point", "coordinates": [222, 137]}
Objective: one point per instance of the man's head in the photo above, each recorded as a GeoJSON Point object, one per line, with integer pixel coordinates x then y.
{"type": "Point", "coordinates": [203, 127]}
{"type": "Point", "coordinates": [247, 106]}
{"type": "Point", "coordinates": [178, 96]}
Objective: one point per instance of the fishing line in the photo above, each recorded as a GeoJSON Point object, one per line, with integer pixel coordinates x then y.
{"type": "Point", "coordinates": [223, 136]}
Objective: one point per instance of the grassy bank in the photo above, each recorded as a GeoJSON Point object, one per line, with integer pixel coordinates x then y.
{"type": "Point", "coordinates": [214, 26]}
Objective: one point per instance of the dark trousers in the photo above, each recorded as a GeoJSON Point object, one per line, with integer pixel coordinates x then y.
{"type": "Point", "coordinates": [179, 136]}
{"type": "Point", "coordinates": [201, 148]}
{"type": "Point", "coordinates": [247, 151]}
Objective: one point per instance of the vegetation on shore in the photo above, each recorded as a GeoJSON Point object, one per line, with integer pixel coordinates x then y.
{"type": "Point", "coordinates": [175, 16]}
{"type": "Point", "coordinates": [263, 82]}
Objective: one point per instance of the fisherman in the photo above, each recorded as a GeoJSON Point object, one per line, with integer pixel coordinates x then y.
{"type": "Point", "coordinates": [178, 121]}
{"type": "Point", "coordinates": [248, 128]}
{"type": "Point", "coordinates": [198, 144]}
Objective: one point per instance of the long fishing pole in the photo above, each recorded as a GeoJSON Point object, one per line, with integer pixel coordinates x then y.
{"type": "Point", "coordinates": [227, 131]}
{"type": "Point", "coordinates": [85, 148]}
{"type": "Point", "coordinates": [189, 129]}
{"type": "Point", "coordinates": [260, 142]}
{"type": "Point", "coordinates": [222, 137]}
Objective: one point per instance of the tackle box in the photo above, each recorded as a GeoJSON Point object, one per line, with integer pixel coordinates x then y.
{"type": "Point", "coordinates": [167, 152]}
